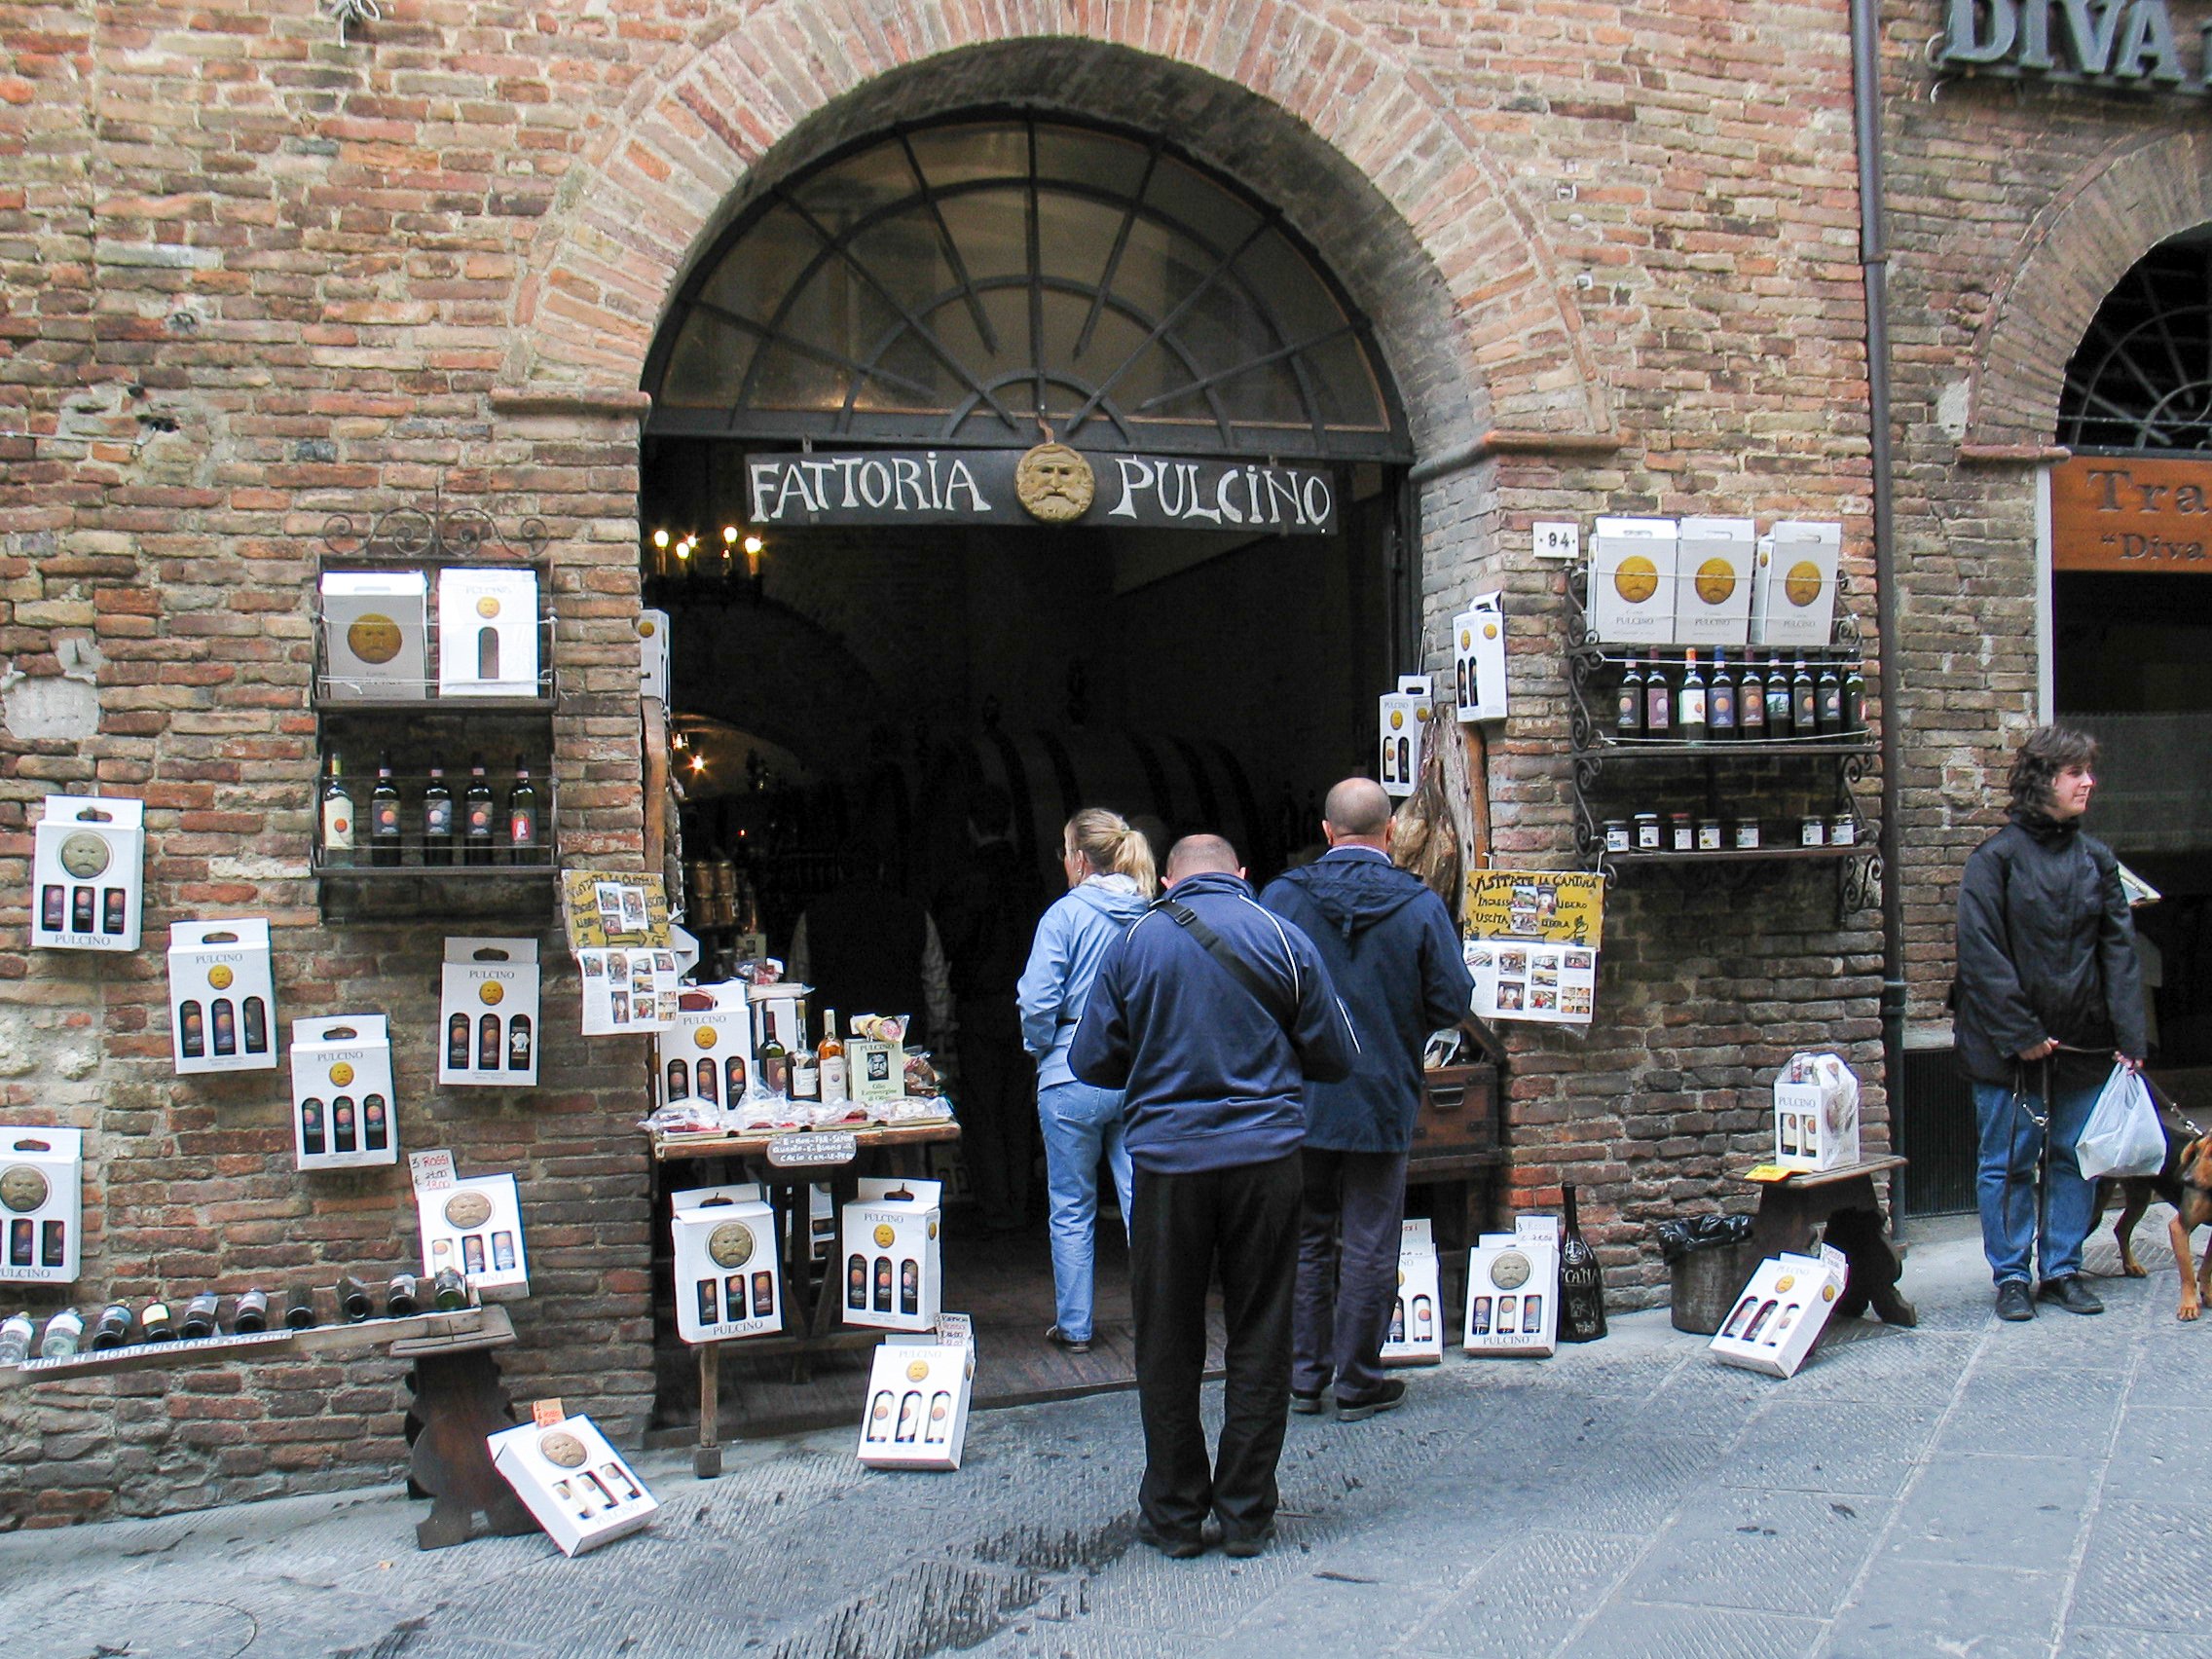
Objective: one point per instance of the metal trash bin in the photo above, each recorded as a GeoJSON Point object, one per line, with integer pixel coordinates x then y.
{"type": "Point", "coordinates": [1705, 1283]}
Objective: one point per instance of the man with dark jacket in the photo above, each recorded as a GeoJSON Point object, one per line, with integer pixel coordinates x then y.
{"type": "Point", "coordinates": [2048, 999]}
{"type": "Point", "coordinates": [1390, 951]}
{"type": "Point", "coordinates": [1210, 1014]}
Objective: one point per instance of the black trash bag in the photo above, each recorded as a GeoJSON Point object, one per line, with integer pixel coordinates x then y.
{"type": "Point", "coordinates": [1678, 1238]}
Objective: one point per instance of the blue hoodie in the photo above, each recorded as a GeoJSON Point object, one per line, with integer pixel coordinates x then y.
{"type": "Point", "coordinates": [1391, 949]}
{"type": "Point", "coordinates": [1213, 1079]}
{"type": "Point", "coordinates": [1072, 940]}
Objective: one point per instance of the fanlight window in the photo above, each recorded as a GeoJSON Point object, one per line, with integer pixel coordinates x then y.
{"type": "Point", "coordinates": [958, 283]}
{"type": "Point", "coordinates": [2142, 376]}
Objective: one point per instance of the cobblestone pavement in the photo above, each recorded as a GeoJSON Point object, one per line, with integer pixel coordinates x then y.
{"type": "Point", "coordinates": [1964, 1488]}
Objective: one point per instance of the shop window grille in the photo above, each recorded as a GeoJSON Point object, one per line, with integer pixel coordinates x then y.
{"type": "Point", "coordinates": [969, 282]}
{"type": "Point", "coordinates": [2141, 380]}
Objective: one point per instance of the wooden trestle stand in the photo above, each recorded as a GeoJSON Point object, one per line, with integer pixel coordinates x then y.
{"type": "Point", "coordinates": [1845, 1201]}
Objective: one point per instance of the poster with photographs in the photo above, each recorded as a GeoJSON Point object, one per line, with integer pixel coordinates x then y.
{"type": "Point", "coordinates": [627, 991]}
{"type": "Point", "coordinates": [1532, 944]}
{"type": "Point", "coordinates": [604, 908]}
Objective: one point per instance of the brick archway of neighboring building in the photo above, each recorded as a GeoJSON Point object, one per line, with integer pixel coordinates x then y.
{"type": "Point", "coordinates": [1395, 193]}
{"type": "Point", "coordinates": [2081, 244]}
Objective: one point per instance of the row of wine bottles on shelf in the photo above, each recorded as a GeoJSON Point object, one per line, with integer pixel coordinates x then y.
{"type": "Point", "coordinates": [483, 831]}
{"type": "Point", "coordinates": [1697, 703]}
{"type": "Point", "coordinates": [154, 1321]}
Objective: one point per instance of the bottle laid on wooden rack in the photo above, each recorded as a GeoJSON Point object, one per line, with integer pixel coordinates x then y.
{"type": "Point", "coordinates": [299, 1310]}
{"type": "Point", "coordinates": [251, 1313]}
{"type": "Point", "coordinates": [16, 1339]}
{"type": "Point", "coordinates": [1628, 715]}
{"type": "Point", "coordinates": [354, 1304]}
{"type": "Point", "coordinates": [478, 845]}
{"type": "Point", "coordinates": [401, 1298]}
{"type": "Point", "coordinates": [155, 1323]}
{"type": "Point", "coordinates": [1720, 702]}
{"type": "Point", "coordinates": [114, 1328]}
{"type": "Point", "coordinates": [449, 1291]}
{"type": "Point", "coordinates": [1690, 702]}
{"type": "Point", "coordinates": [64, 1335]}
{"type": "Point", "coordinates": [337, 818]}
{"type": "Point", "coordinates": [200, 1316]}
{"type": "Point", "coordinates": [437, 820]}
{"type": "Point", "coordinates": [383, 817]}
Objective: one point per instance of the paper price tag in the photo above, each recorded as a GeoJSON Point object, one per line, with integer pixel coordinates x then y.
{"type": "Point", "coordinates": [1766, 1172]}
{"type": "Point", "coordinates": [955, 1330]}
{"type": "Point", "coordinates": [546, 1413]}
{"type": "Point", "coordinates": [1557, 541]}
{"type": "Point", "coordinates": [430, 1170]}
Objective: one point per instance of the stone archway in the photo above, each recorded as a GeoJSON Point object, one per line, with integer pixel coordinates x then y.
{"type": "Point", "coordinates": [1397, 196]}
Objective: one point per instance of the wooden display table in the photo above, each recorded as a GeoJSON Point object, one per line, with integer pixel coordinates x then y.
{"type": "Point", "coordinates": [456, 1400]}
{"type": "Point", "coordinates": [1845, 1201]}
{"type": "Point", "coordinates": [790, 1163]}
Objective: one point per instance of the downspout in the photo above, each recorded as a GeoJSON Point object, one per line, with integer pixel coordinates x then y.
{"type": "Point", "coordinates": [1874, 262]}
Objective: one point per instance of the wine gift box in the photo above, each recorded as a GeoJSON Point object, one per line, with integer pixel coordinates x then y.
{"type": "Point", "coordinates": [578, 1485]}
{"type": "Point", "coordinates": [374, 627]}
{"type": "Point", "coordinates": [1815, 1114]}
{"type": "Point", "coordinates": [475, 1227]}
{"type": "Point", "coordinates": [1512, 1297]}
{"type": "Point", "coordinates": [1632, 581]}
{"type": "Point", "coordinates": [1782, 1311]}
{"type": "Point", "coordinates": [1793, 593]}
{"type": "Point", "coordinates": [1415, 1335]}
{"type": "Point", "coordinates": [916, 1414]}
{"type": "Point", "coordinates": [888, 1243]}
{"type": "Point", "coordinates": [1714, 560]}
{"type": "Point", "coordinates": [488, 1015]}
{"type": "Point", "coordinates": [727, 1279]}
{"type": "Point", "coordinates": [654, 636]}
{"type": "Point", "coordinates": [706, 1053]}
{"type": "Point", "coordinates": [42, 1195]}
{"type": "Point", "coordinates": [88, 873]}
{"type": "Point", "coordinates": [1477, 659]}
{"type": "Point", "coordinates": [1399, 716]}
{"type": "Point", "coordinates": [222, 997]}
{"type": "Point", "coordinates": [342, 1116]}
{"type": "Point", "coordinates": [487, 633]}
{"type": "Point", "coordinates": [626, 991]}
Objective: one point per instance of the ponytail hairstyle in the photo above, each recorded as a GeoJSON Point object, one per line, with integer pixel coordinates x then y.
{"type": "Point", "coordinates": [1113, 847]}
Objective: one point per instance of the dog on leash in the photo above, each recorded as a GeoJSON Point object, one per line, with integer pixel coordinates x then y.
{"type": "Point", "coordinates": [2184, 1181]}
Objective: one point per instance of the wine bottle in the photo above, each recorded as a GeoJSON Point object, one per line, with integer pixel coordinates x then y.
{"type": "Point", "coordinates": [251, 1313]}
{"type": "Point", "coordinates": [1628, 718]}
{"type": "Point", "coordinates": [807, 1066]}
{"type": "Point", "coordinates": [1751, 703]}
{"type": "Point", "coordinates": [1721, 701]}
{"type": "Point", "coordinates": [437, 819]}
{"type": "Point", "coordinates": [1582, 1282]}
{"type": "Point", "coordinates": [1397, 1331]}
{"type": "Point", "coordinates": [449, 1291]}
{"type": "Point", "coordinates": [1658, 704]}
{"type": "Point", "coordinates": [855, 1282]}
{"type": "Point", "coordinates": [830, 1057]}
{"type": "Point", "coordinates": [1855, 697]}
{"type": "Point", "coordinates": [518, 1043]}
{"type": "Point", "coordinates": [1689, 702]}
{"type": "Point", "coordinates": [775, 1066]}
{"type": "Point", "coordinates": [883, 1284]}
{"type": "Point", "coordinates": [155, 1322]}
{"type": "Point", "coordinates": [114, 1328]}
{"type": "Point", "coordinates": [299, 1308]}
{"type": "Point", "coordinates": [522, 818]}
{"type": "Point", "coordinates": [402, 1300]}
{"type": "Point", "coordinates": [224, 1022]}
{"type": "Point", "coordinates": [15, 1335]}
{"type": "Point", "coordinates": [337, 818]}
{"type": "Point", "coordinates": [64, 1335]}
{"type": "Point", "coordinates": [479, 845]}
{"type": "Point", "coordinates": [1828, 698]}
{"type": "Point", "coordinates": [1778, 707]}
{"type": "Point", "coordinates": [1804, 701]}
{"type": "Point", "coordinates": [909, 1287]}
{"type": "Point", "coordinates": [200, 1316]}
{"type": "Point", "coordinates": [383, 817]}
{"type": "Point", "coordinates": [192, 1030]}
{"type": "Point", "coordinates": [256, 1026]}
{"type": "Point", "coordinates": [354, 1304]}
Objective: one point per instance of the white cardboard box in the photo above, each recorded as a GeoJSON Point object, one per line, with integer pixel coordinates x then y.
{"type": "Point", "coordinates": [578, 1485]}
{"type": "Point", "coordinates": [1400, 714]}
{"type": "Point", "coordinates": [1477, 659]}
{"type": "Point", "coordinates": [375, 630]}
{"type": "Point", "coordinates": [893, 1275]}
{"type": "Point", "coordinates": [652, 653]}
{"type": "Point", "coordinates": [487, 633]}
{"type": "Point", "coordinates": [728, 1282]}
{"type": "Point", "coordinates": [88, 873]}
{"type": "Point", "coordinates": [1632, 581]}
{"type": "Point", "coordinates": [1512, 1297]}
{"type": "Point", "coordinates": [342, 1116]}
{"type": "Point", "coordinates": [1712, 582]}
{"type": "Point", "coordinates": [42, 1203]}
{"type": "Point", "coordinates": [488, 1013]}
{"type": "Point", "coordinates": [1793, 598]}
{"type": "Point", "coordinates": [916, 1414]}
{"type": "Point", "coordinates": [1815, 1114]}
{"type": "Point", "coordinates": [1782, 1312]}
{"type": "Point", "coordinates": [474, 1225]}
{"type": "Point", "coordinates": [706, 1053]}
{"type": "Point", "coordinates": [222, 997]}
{"type": "Point", "coordinates": [1415, 1335]}
{"type": "Point", "coordinates": [627, 990]}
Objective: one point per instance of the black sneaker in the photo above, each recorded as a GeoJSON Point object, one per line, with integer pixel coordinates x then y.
{"type": "Point", "coordinates": [1388, 1397]}
{"type": "Point", "coordinates": [2013, 1301]}
{"type": "Point", "coordinates": [1062, 1339]}
{"type": "Point", "coordinates": [1307, 1405]}
{"type": "Point", "coordinates": [2071, 1294]}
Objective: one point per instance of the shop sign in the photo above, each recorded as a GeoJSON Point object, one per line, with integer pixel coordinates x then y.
{"type": "Point", "coordinates": [1048, 484]}
{"type": "Point", "coordinates": [2109, 43]}
{"type": "Point", "coordinates": [1531, 940]}
{"type": "Point", "coordinates": [2132, 516]}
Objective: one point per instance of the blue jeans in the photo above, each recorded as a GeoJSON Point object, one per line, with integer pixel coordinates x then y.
{"type": "Point", "coordinates": [2006, 1179]}
{"type": "Point", "coordinates": [1079, 1123]}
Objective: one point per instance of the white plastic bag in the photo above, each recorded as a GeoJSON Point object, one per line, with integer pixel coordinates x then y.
{"type": "Point", "coordinates": [2123, 1136]}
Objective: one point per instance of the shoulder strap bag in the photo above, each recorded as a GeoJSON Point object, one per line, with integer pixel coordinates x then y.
{"type": "Point", "coordinates": [1269, 996]}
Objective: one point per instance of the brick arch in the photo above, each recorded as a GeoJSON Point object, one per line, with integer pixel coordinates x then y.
{"type": "Point", "coordinates": [2076, 250]}
{"type": "Point", "coordinates": [1401, 200]}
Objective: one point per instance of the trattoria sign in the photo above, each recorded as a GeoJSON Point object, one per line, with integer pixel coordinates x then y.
{"type": "Point", "coordinates": [1050, 484]}
{"type": "Point", "coordinates": [2132, 516]}
{"type": "Point", "coordinates": [2111, 43]}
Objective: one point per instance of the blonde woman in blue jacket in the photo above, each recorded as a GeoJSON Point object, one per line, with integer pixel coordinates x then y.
{"type": "Point", "coordinates": [1111, 881]}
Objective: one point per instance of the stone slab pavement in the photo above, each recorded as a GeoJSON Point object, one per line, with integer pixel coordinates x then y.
{"type": "Point", "coordinates": [1966, 1489]}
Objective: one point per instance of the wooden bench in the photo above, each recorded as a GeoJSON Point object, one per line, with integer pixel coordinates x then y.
{"type": "Point", "coordinates": [1843, 1202]}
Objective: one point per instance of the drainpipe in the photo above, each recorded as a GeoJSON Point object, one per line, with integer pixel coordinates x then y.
{"type": "Point", "coordinates": [1874, 262]}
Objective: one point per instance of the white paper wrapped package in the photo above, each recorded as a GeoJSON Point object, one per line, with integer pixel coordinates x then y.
{"type": "Point", "coordinates": [487, 633]}
{"type": "Point", "coordinates": [1415, 1335]}
{"type": "Point", "coordinates": [1815, 1114]}
{"type": "Point", "coordinates": [893, 1276]}
{"type": "Point", "coordinates": [88, 873]}
{"type": "Point", "coordinates": [474, 1227]}
{"type": "Point", "coordinates": [222, 997]}
{"type": "Point", "coordinates": [706, 1053]}
{"type": "Point", "coordinates": [578, 1486]}
{"type": "Point", "coordinates": [342, 1114]}
{"type": "Point", "coordinates": [916, 1410]}
{"type": "Point", "coordinates": [1714, 568]}
{"type": "Point", "coordinates": [42, 1189]}
{"type": "Point", "coordinates": [488, 1013]}
{"type": "Point", "coordinates": [1512, 1297]}
{"type": "Point", "coordinates": [727, 1280]}
{"type": "Point", "coordinates": [1781, 1312]}
{"type": "Point", "coordinates": [375, 629]}
{"type": "Point", "coordinates": [1632, 581]}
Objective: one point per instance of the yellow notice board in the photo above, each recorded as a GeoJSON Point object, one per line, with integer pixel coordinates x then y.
{"type": "Point", "coordinates": [1557, 907]}
{"type": "Point", "coordinates": [1532, 944]}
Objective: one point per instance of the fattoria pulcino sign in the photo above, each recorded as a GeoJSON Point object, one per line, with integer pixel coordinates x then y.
{"type": "Point", "coordinates": [1048, 484]}
{"type": "Point", "coordinates": [2113, 43]}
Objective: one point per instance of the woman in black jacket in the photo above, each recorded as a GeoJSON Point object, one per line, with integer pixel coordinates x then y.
{"type": "Point", "coordinates": [2049, 998]}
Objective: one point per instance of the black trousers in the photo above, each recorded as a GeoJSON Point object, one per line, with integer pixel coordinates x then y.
{"type": "Point", "coordinates": [1348, 1270]}
{"type": "Point", "coordinates": [1245, 1220]}
{"type": "Point", "coordinates": [997, 1108]}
